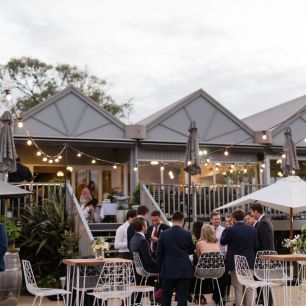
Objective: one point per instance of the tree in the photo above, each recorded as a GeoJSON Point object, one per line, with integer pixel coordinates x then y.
{"type": "Point", "coordinates": [33, 81]}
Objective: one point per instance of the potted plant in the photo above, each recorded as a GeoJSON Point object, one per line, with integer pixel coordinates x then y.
{"type": "Point", "coordinates": [13, 232]}
{"type": "Point", "coordinates": [121, 213]}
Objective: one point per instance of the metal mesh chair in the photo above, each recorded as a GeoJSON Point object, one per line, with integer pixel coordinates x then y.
{"type": "Point", "coordinates": [210, 266]}
{"type": "Point", "coordinates": [115, 282]}
{"type": "Point", "coordinates": [35, 290]}
{"type": "Point", "coordinates": [246, 278]}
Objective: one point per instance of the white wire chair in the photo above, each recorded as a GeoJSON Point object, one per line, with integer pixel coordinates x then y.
{"type": "Point", "coordinates": [143, 288]}
{"type": "Point", "coordinates": [115, 282]}
{"type": "Point", "coordinates": [35, 290]}
{"type": "Point", "coordinates": [246, 278]}
{"type": "Point", "coordinates": [210, 266]}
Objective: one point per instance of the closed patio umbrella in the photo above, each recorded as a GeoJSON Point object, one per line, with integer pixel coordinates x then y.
{"type": "Point", "coordinates": [290, 162]}
{"type": "Point", "coordinates": [192, 160]}
{"type": "Point", "coordinates": [287, 195]}
{"type": "Point", "coordinates": [7, 145]}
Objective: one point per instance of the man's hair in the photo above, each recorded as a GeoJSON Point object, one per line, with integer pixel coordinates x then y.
{"type": "Point", "coordinates": [131, 214]}
{"type": "Point", "coordinates": [238, 215]}
{"type": "Point", "coordinates": [155, 213]}
{"type": "Point", "coordinates": [229, 216]}
{"type": "Point", "coordinates": [214, 213]}
{"type": "Point", "coordinates": [257, 206]}
{"type": "Point", "coordinates": [249, 214]}
{"type": "Point", "coordinates": [177, 216]}
{"type": "Point", "coordinates": [142, 210]}
{"type": "Point", "coordinates": [138, 223]}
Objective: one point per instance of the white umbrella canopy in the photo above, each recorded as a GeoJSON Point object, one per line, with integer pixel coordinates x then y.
{"type": "Point", "coordinates": [9, 191]}
{"type": "Point", "coordinates": [287, 195]}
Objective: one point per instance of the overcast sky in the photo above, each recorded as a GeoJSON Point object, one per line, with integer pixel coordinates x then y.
{"type": "Point", "coordinates": [248, 55]}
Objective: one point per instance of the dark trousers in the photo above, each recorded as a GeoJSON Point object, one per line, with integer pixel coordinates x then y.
{"type": "Point", "coordinates": [181, 287]}
{"type": "Point", "coordinates": [126, 255]}
{"type": "Point", "coordinates": [222, 284]}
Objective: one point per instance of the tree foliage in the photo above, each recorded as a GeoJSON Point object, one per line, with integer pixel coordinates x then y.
{"type": "Point", "coordinates": [33, 81]}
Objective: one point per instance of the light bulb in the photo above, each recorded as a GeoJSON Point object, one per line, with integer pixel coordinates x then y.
{"type": "Point", "coordinates": [93, 161]}
{"type": "Point", "coordinates": [45, 159]}
{"type": "Point", "coordinates": [224, 173]}
{"type": "Point", "coordinates": [29, 142]}
{"type": "Point", "coordinates": [79, 154]}
{"type": "Point", "coordinates": [261, 170]}
{"type": "Point", "coordinates": [69, 168]}
{"type": "Point", "coordinates": [50, 161]}
{"type": "Point", "coordinates": [59, 157]}
{"type": "Point", "coordinates": [226, 153]}
{"type": "Point", "coordinates": [232, 166]}
{"type": "Point", "coordinates": [245, 170]}
{"type": "Point", "coordinates": [56, 160]}
{"type": "Point", "coordinates": [135, 168]}
{"type": "Point", "coordinates": [231, 170]}
{"type": "Point", "coordinates": [162, 168]}
{"type": "Point", "coordinates": [283, 155]}
{"type": "Point", "coordinates": [189, 162]}
{"type": "Point", "coordinates": [205, 164]}
{"type": "Point", "coordinates": [217, 168]}
{"type": "Point", "coordinates": [60, 173]}
{"type": "Point", "coordinates": [154, 162]}
{"type": "Point", "coordinates": [208, 159]}
{"type": "Point", "coordinates": [205, 152]}
{"type": "Point", "coordinates": [263, 165]}
{"type": "Point", "coordinates": [20, 124]}
{"type": "Point", "coordinates": [38, 153]}
{"type": "Point", "coordinates": [264, 135]}
{"type": "Point", "coordinates": [293, 171]}
{"type": "Point", "coordinates": [9, 97]}
{"type": "Point", "coordinates": [115, 166]}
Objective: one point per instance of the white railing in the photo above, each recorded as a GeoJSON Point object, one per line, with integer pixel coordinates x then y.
{"type": "Point", "coordinates": [202, 199]}
{"type": "Point", "coordinates": [81, 226]}
{"type": "Point", "coordinates": [147, 199]}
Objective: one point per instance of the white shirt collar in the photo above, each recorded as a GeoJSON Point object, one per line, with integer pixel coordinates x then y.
{"type": "Point", "coordinates": [142, 234]}
{"type": "Point", "coordinates": [260, 217]}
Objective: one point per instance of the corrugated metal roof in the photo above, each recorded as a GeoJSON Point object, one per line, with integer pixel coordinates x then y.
{"type": "Point", "coordinates": [270, 118]}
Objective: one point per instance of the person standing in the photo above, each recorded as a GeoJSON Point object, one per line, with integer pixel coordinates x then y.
{"type": "Point", "coordinates": [121, 236]}
{"type": "Point", "coordinates": [22, 174]}
{"type": "Point", "coordinates": [249, 219]}
{"type": "Point", "coordinates": [240, 240]}
{"type": "Point", "coordinates": [155, 229]}
{"type": "Point", "coordinates": [3, 246]}
{"type": "Point", "coordinates": [264, 228]}
{"type": "Point", "coordinates": [173, 250]}
{"type": "Point", "coordinates": [215, 220]}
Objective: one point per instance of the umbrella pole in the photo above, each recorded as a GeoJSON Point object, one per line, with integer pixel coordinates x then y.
{"type": "Point", "coordinates": [189, 214]}
{"type": "Point", "coordinates": [291, 223]}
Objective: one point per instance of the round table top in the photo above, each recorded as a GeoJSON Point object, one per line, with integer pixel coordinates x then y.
{"type": "Point", "coordinates": [286, 257]}
{"type": "Point", "coordinates": [95, 262]}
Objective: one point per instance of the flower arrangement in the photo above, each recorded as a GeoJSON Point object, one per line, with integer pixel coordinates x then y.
{"type": "Point", "coordinates": [297, 244]}
{"type": "Point", "coordinates": [99, 247]}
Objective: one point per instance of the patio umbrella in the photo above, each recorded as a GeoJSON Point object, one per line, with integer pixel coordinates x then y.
{"type": "Point", "coordinates": [287, 195]}
{"type": "Point", "coordinates": [8, 191]}
{"type": "Point", "coordinates": [192, 160]}
{"type": "Point", "coordinates": [7, 145]}
{"type": "Point", "coordinates": [290, 162]}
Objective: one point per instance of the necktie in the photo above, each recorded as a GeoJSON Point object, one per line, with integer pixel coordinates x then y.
{"type": "Point", "coordinates": [155, 234]}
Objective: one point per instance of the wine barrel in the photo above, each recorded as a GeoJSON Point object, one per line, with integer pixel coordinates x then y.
{"type": "Point", "coordinates": [10, 280]}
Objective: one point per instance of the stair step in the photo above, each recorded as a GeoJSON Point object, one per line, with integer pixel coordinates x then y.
{"type": "Point", "coordinates": [104, 226]}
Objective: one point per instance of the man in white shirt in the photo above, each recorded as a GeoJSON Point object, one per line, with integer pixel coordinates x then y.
{"type": "Point", "coordinates": [215, 221]}
{"type": "Point", "coordinates": [121, 236]}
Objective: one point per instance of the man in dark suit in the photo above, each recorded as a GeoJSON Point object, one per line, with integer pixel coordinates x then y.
{"type": "Point", "coordinates": [140, 244]}
{"type": "Point", "coordinates": [265, 237]}
{"type": "Point", "coordinates": [240, 240]}
{"type": "Point", "coordinates": [264, 227]}
{"type": "Point", "coordinates": [3, 246]}
{"type": "Point", "coordinates": [142, 211]}
{"type": "Point", "coordinates": [154, 230]}
{"type": "Point", "coordinates": [173, 250]}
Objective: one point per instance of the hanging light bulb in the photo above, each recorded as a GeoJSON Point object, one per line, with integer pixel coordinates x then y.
{"type": "Point", "coordinates": [60, 157]}
{"type": "Point", "coordinates": [264, 135]}
{"type": "Point", "coordinates": [200, 153]}
{"type": "Point", "coordinates": [293, 172]}
{"type": "Point", "coordinates": [226, 152]}
{"type": "Point", "coordinates": [232, 166]}
{"type": "Point", "coordinates": [115, 166]}
{"type": "Point", "coordinates": [283, 155]}
{"type": "Point", "coordinates": [217, 168]}
{"type": "Point", "coordinates": [69, 168]}
{"type": "Point", "coordinates": [154, 162]}
{"type": "Point", "coordinates": [231, 170]}
{"type": "Point", "coordinates": [205, 164]}
{"type": "Point", "coordinates": [56, 160]}
{"type": "Point", "coordinates": [50, 161]}
{"type": "Point", "coordinates": [60, 173]}
{"type": "Point", "coordinates": [79, 154]}
{"type": "Point", "coordinates": [162, 167]}
{"type": "Point", "coordinates": [29, 142]}
{"type": "Point", "coordinates": [245, 169]}
{"type": "Point", "coordinates": [38, 153]}
{"type": "Point", "coordinates": [263, 165]}
{"type": "Point", "coordinates": [135, 168]}
{"type": "Point", "coordinates": [279, 173]}
{"type": "Point", "coordinates": [224, 173]}
{"type": "Point", "coordinates": [208, 159]}
{"type": "Point", "coordinates": [205, 152]}
{"type": "Point", "coordinates": [45, 159]}
{"type": "Point", "coordinates": [279, 161]}
{"type": "Point", "coordinates": [93, 161]}
{"type": "Point", "coordinates": [189, 163]}
{"type": "Point", "coordinates": [261, 170]}
{"type": "Point", "coordinates": [20, 123]}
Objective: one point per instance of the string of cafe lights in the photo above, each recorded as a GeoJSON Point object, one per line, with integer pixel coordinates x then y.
{"type": "Point", "coordinates": [57, 157]}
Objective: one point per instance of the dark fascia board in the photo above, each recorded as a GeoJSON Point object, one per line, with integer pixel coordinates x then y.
{"type": "Point", "coordinates": [71, 89]}
{"type": "Point", "coordinates": [191, 97]}
{"type": "Point", "coordinates": [288, 121]}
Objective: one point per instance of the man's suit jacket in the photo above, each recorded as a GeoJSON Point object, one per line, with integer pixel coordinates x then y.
{"type": "Point", "coordinates": [140, 244]}
{"type": "Point", "coordinates": [162, 227]}
{"type": "Point", "coordinates": [240, 240]}
{"type": "Point", "coordinates": [3, 246]}
{"type": "Point", "coordinates": [265, 235]}
{"type": "Point", "coordinates": [130, 233]}
{"type": "Point", "coordinates": [173, 250]}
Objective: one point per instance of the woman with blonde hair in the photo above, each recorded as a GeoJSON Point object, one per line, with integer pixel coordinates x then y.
{"type": "Point", "coordinates": [208, 241]}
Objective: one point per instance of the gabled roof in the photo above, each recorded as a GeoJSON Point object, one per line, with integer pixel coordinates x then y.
{"type": "Point", "coordinates": [269, 119]}
{"type": "Point", "coordinates": [70, 114]}
{"type": "Point", "coordinates": [215, 123]}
